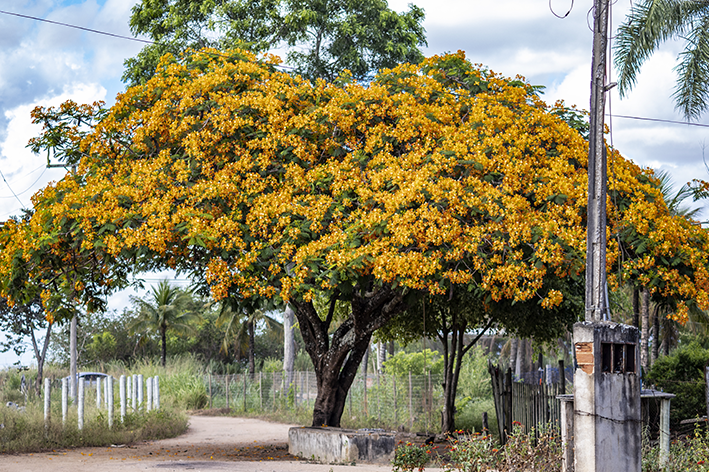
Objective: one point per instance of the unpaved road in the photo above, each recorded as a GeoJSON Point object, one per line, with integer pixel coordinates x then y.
{"type": "Point", "coordinates": [211, 443]}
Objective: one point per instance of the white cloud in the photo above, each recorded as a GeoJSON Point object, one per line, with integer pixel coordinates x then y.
{"type": "Point", "coordinates": [24, 170]}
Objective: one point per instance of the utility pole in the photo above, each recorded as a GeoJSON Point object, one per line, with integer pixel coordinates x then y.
{"type": "Point", "coordinates": [596, 287]}
{"type": "Point", "coordinates": [73, 357]}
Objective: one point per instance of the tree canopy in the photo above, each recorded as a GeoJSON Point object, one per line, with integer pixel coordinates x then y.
{"type": "Point", "coordinates": [435, 176]}
{"type": "Point", "coordinates": [323, 37]}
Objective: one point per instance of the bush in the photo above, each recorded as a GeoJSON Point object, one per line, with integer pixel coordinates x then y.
{"type": "Point", "coordinates": [409, 457]}
{"type": "Point", "coordinates": [689, 454]}
{"type": "Point", "coordinates": [473, 452]}
{"type": "Point", "coordinates": [682, 373]}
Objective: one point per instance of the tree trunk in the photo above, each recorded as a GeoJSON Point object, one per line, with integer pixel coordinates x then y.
{"type": "Point", "coordinates": [72, 358]}
{"type": "Point", "coordinates": [452, 363]}
{"type": "Point", "coordinates": [288, 345]}
{"type": "Point", "coordinates": [521, 364]}
{"type": "Point", "coordinates": [514, 345]}
{"type": "Point", "coordinates": [645, 333]}
{"type": "Point", "coordinates": [636, 307]}
{"type": "Point", "coordinates": [381, 356]}
{"type": "Point", "coordinates": [40, 356]}
{"type": "Point", "coordinates": [656, 336]}
{"type": "Point", "coordinates": [252, 348]}
{"type": "Point", "coordinates": [336, 356]}
{"type": "Point", "coordinates": [163, 342]}
{"type": "Point", "coordinates": [365, 364]}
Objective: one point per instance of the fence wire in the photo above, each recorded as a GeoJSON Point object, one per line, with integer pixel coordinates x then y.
{"type": "Point", "coordinates": [410, 401]}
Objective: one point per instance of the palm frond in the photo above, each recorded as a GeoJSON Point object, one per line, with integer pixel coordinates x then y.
{"type": "Point", "coordinates": [692, 89]}
{"type": "Point", "coordinates": [648, 24]}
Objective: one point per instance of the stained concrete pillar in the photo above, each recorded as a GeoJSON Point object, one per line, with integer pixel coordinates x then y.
{"type": "Point", "coordinates": [567, 432]}
{"type": "Point", "coordinates": [607, 413]}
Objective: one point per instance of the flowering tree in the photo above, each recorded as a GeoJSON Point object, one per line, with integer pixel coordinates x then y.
{"type": "Point", "coordinates": [267, 186]}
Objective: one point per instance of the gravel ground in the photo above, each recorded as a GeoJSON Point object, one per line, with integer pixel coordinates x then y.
{"type": "Point", "coordinates": [210, 444]}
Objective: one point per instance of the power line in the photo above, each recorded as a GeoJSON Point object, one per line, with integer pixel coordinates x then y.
{"type": "Point", "coordinates": [702, 125]}
{"type": "Point", "coordinates": [32, 184]}
{"type": "Point", "coordinates": [130, 38]}
{"type": "Point", "coordinates": [113, 35]}
{"type": "Point", "coordinates": [12, 191]}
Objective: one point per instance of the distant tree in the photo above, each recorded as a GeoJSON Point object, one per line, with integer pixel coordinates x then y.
{"type": "Point", "coordinates": [19, 322]}
{"type": "Point", "coordinates": [323, 37]}
{"type": "Point", "coordinates": [166, 309]}
{"type": "Point", "coordinates": [239, 325]}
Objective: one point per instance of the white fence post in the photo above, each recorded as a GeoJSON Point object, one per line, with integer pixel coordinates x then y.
{"type": "Point", "coordinates": [140, 391]}
{"type": "Point", "coordinates": [149, 388]}
{"type": "Point", "coordinates": [65, 400]}
{"type": "Point", "coordinates": [47, 397]}
{"type": "Point", "coordinates": [109, 400]}
{"type": "Point", "coordinates": [122, 394]}
{"type": "Point", "coordinates": [81, 404]}
{"type": "Point", "coordinates": [156, 392]}
{"type": "Point", "coordinates": [98, 393]}
{"type": "Point", "coordinates": [134, 392]}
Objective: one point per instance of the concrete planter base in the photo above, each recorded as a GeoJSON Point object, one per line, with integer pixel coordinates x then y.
{"type": "Point", "coordinates": [342, 446]}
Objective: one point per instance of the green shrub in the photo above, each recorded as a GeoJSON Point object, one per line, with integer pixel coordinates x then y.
{"type": "Point", "coordinates": [409, 457]}
{"type": "Point", "coordinates": [682, 373]}
{"type": "Point", "coordinates": [418, 363]}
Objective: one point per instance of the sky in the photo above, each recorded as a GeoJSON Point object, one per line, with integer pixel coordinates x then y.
{"type": "Point", "coordinates": [44, 64]}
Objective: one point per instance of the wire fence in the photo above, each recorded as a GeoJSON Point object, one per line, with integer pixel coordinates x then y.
{"type": "Point", "coordinates": [410, 401]}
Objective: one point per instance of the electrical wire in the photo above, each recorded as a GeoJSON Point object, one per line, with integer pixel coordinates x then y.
{"type": "Point", "coordinates": [12, 191]}
{"type": "Point", "coordinates": [113, 35]}
{"type": "Point", "coordinates": [147, 41]}
{"type": "Point", "coordinates": [658, 120]}
{"type": "Point", "coordinates": [551, 8]}
{"type": "Point", "coordinates": [31, 185]}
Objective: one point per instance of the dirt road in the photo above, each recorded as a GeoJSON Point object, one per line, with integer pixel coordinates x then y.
{"type": "Point", "coordinates": [210, 444]}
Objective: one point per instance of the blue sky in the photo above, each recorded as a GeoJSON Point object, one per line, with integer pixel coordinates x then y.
{"type": "Point", "coordinates": [44, 64]}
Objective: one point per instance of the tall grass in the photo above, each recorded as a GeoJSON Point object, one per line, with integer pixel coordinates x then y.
{"type": "Point", "coordinates": [26, 431]}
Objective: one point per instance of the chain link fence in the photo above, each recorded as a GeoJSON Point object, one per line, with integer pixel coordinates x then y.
{"type": "Point", "coordinates": [411, 402]}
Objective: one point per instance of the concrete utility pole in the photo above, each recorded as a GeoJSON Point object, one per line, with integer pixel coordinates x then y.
{"type": "Point", "coordinates": [596, 288]}
{"type": "Point", "coordinates": [607, 418]}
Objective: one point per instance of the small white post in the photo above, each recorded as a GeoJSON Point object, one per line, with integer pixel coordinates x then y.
{"type": "Point", "coordinates": [109, 400]}
{"type": "Point", "coordinates": [122, 394]}
{"type": "Point", "coordinates": [134, 392]}
{"type": "Point", "coordinates": [140, 391]}
{"type": "Point", "coordinates": [156, 392]}
{"type": "Point", "coordinates": [664, 432]}
{"type": "Point", "coordinates": [129, 387]}
{"type": "Point", "coordinates": [98, 393]}
{"type": "Point", "coordinates": [47, 397]}
{"type": "Point", "coordinates": [149, 388]}
{"type": "Point", "coordinates": [81, 404]}
{"type": "Point", "coordinates": [65, 400]}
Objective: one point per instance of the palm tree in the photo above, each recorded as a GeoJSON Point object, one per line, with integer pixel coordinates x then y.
{"type": "Point", "coordinates": [665, 332]}
{"type": "Point", "coordinates": [240, 327]}
{"type": "Point", "coordinates": [168, 308]}
{"type": "Point", "coordinates": [652, 22]}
